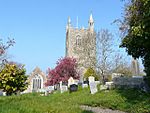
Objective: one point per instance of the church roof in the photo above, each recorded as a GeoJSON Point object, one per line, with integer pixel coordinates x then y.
{"type": "Point", "coordinates": [37, 70]}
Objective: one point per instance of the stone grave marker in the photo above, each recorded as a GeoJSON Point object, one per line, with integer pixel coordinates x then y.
{"type": "Point", "coordinates": [1, 93]}
{"type": "Point", "coordinates": [73, 88]}
{"type": "Point", "coordinates": [103, 87]}
{"type": "Point", "coordinates": [109, 85]}
{"type": "Point", "coordinates": [50, 88]}
{"type": "Point", "coordinates": [84, 85]}
{"type": "Point", "coordinates": [70, 81]}
{"type": "Point", "coordinates": [63, 89]}
{"type": "Point", "coordinates": [93, 87]}
{"type": "Point", "coordinates": [4, 94]}
{"type": "Point", "coordinates": [91, 79]}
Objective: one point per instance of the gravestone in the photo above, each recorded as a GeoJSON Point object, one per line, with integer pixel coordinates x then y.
{"type": "Point", "coordinates": [84, 85]}
{"type": "Point", "coordinates": [93, 87]}
{"type": "Point", "coordinates": [46, 93]}
{"type": "Point", "coordinates": [70, 81]}
{"type": "Point", "coordinates": [73, 88]}
{"type": "Point", "coordinates": [109, 85]}
{"type": "Point", "coordinates": [63, 89]}
{"type": "Point", "coordinates": [103, 87]}
{"type": "Point", "coordinates": [60, 84]}
{"type": "Point", "coordinates": [1, 93]}
{"type": "Point", "coordinates": [91, 79]}
{"type": "Point", "coordinates": [42, 90]}
{"type": "Point", "coordinates": [50, 88]}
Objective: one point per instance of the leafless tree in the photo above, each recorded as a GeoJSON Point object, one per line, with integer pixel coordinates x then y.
{"type": "Point", "coordinates": [104, 49]}
{"type": "Point", "coordinates": [121, 65]}
{"type": "Point", "coordinates": [3, 49]}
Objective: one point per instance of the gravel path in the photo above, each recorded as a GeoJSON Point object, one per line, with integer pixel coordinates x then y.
{"type": "Point", "coordinates": [100, 110]}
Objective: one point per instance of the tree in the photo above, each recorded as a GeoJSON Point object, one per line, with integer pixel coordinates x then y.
{"type": "Point", "coordinates": [13, 78]}
{"type": "Point", "coordinates": [3, 49]}
{"type": "Point", "coordinates": [90, 72]}
{"type": "Point", "coordinates": [136, 30]}
{"type": "Point", "coordinates": [66, 68]}
{"type": "Point", "coordinates": [104, 52]}
{"type": "Point", "coordinates": [121, 65]}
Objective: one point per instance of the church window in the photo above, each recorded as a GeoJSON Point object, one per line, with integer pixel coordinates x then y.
{"type": "Point", "coordinates": [37, 82]}
{"type": "Point", "coordinates": [78, 40]}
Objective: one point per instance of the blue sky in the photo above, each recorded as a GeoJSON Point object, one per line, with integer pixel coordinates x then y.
{"type": "Point", "coordinates": [38, 26]}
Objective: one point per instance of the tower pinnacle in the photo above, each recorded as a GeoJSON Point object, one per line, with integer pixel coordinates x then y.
{"type": "Point", "coordinates": [91, 19]}
{"type": "Point", "coordinates": [91, 23]}
{"type": "Point", "coordinates": [68, 24]}
{"type": "Point", "coordinates": [69, 21]}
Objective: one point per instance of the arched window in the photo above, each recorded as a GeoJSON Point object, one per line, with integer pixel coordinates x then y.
{"type": "Point", "coordinates": [78, 40]}
{"type": "Point", "coordinates": [37, 82]}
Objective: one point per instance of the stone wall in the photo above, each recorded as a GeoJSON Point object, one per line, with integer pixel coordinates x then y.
{"type": "Point", "coordinates": [131, 82]}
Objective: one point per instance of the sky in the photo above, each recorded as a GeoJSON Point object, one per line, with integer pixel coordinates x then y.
{"type": "Point", "coordinates": [39, 26]}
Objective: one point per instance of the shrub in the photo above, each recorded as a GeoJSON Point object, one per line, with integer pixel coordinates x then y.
{"type": "Point", "coordinates": [90, 72]}
{"type": "Point", "coordinates": [12, 78]}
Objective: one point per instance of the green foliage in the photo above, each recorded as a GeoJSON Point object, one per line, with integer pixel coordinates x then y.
{"type": "Point", "coordinates": [124, 70]}
{"type": "Point", "coordinates": [90, 72]}
{"type": "Point", "coordinates": [13, 79]}
{"type": "Point", "coordinates": [129, 100]}
{"type": "Point", "coordinates": [137, 39]}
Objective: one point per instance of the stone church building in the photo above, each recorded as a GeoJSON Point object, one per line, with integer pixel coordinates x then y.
{"type": "Point", "coordinates": [36, 80]}
{"type": "Point", "coordinates": [81, 44]}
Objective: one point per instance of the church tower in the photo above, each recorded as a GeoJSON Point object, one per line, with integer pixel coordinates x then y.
{"type": "Point", "coordinates": [81, 44]}
{"type": "Point", "coordinates": [135, 67]}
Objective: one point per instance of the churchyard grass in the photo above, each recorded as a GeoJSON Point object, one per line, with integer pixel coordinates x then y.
{"type": "Point", "coordinates": [128, 100]}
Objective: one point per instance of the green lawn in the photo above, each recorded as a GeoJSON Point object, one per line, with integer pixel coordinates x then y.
{"type": "Point", "coordinates": [126, 100]}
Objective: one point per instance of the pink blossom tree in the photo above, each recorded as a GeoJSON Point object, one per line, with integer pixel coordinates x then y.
{"type": "Point", "coordinates": [66, 68]}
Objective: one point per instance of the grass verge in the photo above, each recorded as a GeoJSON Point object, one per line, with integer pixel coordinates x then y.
{"type": "Point", "coordinates": [129, 100]}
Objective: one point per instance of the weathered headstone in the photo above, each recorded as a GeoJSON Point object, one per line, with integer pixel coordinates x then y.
{"type": "Point", "coordinates": [60, 84]}
{"type": "Point", "coordinates": [103, 87]}
{"type": "Point", "coordinates": [4, 93]}
{"type": "Point", "coordinates": [70, 81]}
{"type": "Point", "coordinates": [91, 79]}
{"type": "Point", "coordinates": [73, 88]}
{"type": "Point", "coordinates": [50, 88]}
{"type": "Point", "coordinates": [84, 85]}
{"type": "Point", "coordinates": [63, 89]}
{"type": "Point", "coordinates": [1, 93]}
{"type": "Point", "coordinates": [46, 93]}
{"type": "Point", "coordinates": [109, 85]}
{"type": "Point", "coordinates": [42, 90]}
{"type": "Point", "coordinates": [93, 87]}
